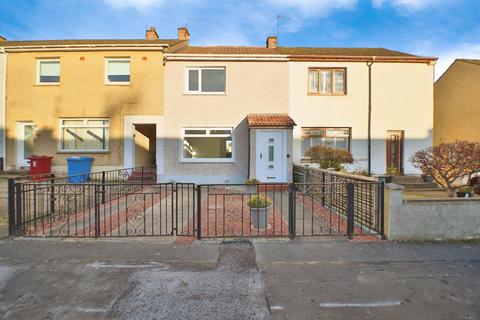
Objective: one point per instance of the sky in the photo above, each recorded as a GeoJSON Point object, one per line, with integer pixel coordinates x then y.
{"type": "Point", "coordinates": [447, 29]}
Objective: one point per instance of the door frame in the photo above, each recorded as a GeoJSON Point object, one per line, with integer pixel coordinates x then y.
{"type": "Point", "coordinates": [129, 141]}
{"type": "Point", "coordinates": [401, 149]}
{"type": "Point", "coordinates": [284, 177]}
{"type": "Point", "coordinates": [20, 143]}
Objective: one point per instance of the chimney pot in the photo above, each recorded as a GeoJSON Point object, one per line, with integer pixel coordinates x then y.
{"type": "Point", "coordinates": [272, 42]}
{"type": "Point", "coordinates": [183, 34]}
{"type": "Point", "coordinates": [151, 34]}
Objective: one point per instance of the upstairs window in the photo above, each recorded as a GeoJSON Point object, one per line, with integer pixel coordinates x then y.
{"type": "Point", "coordinates": [338, 138]}
{"type": "Point", "coordinates": [327, 81]}
{"type": "Point", "coordinates": [206, 80]}
{"type": "Point", "coordinates": [84, 135]}
{"type": "Point", "coordinates": [118, 71]}
{"type": "Point", "coordinates": [207, 144]}
{"type": "Point", "coordinates": [49, 71]}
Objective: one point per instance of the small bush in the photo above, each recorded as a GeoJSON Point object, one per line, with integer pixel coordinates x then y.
{"type": "Point", "coordinates": [252, 181]}
{"type": "Point", "coordinates": [328, 157]}
{"type": "Point", "coordinates": [259, 202]}
{"type": "Point", "coordinates": [467, 189]}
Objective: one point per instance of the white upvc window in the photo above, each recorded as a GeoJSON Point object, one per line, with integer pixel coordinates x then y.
{"type": "Point", "coordinates": [48, 71]}
{"type": "Point", "coordinates": [207, 144]}
{"type": "Point", "coordinates": [84, 135]}
{"type": "Point", "coordinates": [333, 137]}
{"type": "Point", "coordinates": [205, 80]}
{"type": "Point", "coordinates": [117, 71]}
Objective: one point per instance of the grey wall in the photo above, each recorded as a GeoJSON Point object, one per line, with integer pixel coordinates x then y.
{"type": "Point", "coordinates": [429, 219]}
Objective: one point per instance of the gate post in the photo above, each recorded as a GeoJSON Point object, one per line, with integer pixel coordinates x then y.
{"type": "Point", "coordinates": [18, 208]}
{"type": "Point", "coordinates": [199, 211]}
{"type": "Point", "coordinates": [96, 211]}
{"type": "Point", "coordinates": [292, 219]}
{"type": "Point", "coordinates": [11, 206]}
{"type": "Point", "coordinates": [382, 210]}
{"type": "Point", "coordinates": [103, 186]}
{"type": "Point", "coordinates": [350, 209]}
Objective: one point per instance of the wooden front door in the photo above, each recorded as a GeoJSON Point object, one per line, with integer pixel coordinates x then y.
{"type": "Point", "coordinates": [395, 151]}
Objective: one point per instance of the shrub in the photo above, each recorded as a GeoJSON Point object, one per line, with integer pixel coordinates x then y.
{"type": "Point", "coordinates": [449, 162]}
{"type": "Point", "coordinates": [328, 157]}
{"type": "Point", "coordinates": [259, 202]}
{"type": "Point", "coordinates": [252, 181]}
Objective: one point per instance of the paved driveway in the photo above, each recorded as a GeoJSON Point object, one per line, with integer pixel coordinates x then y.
{"type": "Point", "coordinates": [279, 279]}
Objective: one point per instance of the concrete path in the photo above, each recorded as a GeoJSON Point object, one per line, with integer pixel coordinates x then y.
{"type": "Point", "coordinates": [271, 279]}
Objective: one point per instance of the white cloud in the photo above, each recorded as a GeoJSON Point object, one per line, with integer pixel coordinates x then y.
{"type": "Point", "coordinates": [463, 51]}
{"type": "Point", "coordinates": [406, 4]}
{"type": "Point", "coordinates": [315, 7]}
{"type": "Point", "coordinates": [137, 4]}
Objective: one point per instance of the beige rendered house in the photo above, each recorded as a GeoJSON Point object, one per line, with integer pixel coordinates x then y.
{"type": "Point", "coordinates": [234, 113]}
{"type": "Point", "coordinates": [100, 98]}
{"type": "Point", "coordinates": [457, 103]}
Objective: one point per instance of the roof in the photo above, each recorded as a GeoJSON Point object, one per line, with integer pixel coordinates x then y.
{"type": "Point", "coordinates": [302, 53]}
{"type": "Point", "coordinates": [169, 42]}
{"type": "Point", "coordinates": [262, 120]}
{"type": "Point", "coordinates": [472, 61]}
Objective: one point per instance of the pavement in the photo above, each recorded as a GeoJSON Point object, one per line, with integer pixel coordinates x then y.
{"type": "Point", "coordinates": [152, 278]}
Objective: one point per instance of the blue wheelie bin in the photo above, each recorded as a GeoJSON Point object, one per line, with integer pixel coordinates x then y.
{"type": "Point", "coordinates": [79, 168]}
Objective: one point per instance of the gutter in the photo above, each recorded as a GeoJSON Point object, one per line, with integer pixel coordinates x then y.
{"type": "Point", "coordinates": [369, 65]}
{"type": "Point", "coordinates": [3, 103]}
{"type": "Point", "coordinates": [86, 47]}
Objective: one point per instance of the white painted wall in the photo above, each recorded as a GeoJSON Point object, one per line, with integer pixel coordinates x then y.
{"type": "Point", "coordinates": [402, 99]}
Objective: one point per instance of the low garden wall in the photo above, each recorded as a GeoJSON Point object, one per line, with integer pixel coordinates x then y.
{"type": "Point", "coordinates": [429, 219]}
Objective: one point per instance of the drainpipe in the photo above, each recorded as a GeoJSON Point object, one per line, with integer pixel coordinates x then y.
{"type": "Point", "coordinates": [369, 64]}
{"type": "Point", "coordinates": [249, 154]}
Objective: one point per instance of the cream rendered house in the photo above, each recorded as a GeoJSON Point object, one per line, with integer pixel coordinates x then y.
{"type": "Point", "coordinates": [234, 113]}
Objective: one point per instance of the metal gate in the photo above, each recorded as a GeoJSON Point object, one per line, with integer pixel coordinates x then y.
{"type": "Point", "coordinates": [128, 207]}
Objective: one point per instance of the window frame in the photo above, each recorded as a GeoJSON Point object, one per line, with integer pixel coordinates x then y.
{"type": "Point", "coordinates": [187, 91]}
{"type": "Point", "coordinates": [118, 83]}
{"type": "Point", "coordinates": [307, 159]}
{"type": "Point", "coordinates": [332, 70]}
{"type": "Point", "coordinates": [208, 134]}
{"type": "Point", "coordinates": [85, 125]}
{"type": "Point", "coordinates": [39, 62]}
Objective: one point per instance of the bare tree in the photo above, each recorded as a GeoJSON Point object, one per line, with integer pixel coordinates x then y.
{"type": "Point", "coordinates": [449, 163]}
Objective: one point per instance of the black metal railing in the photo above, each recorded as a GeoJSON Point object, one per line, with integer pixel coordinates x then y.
{"type": "Point", "coordinates": [329, 188]}
{"type": "Point", "coordinates": [29, 197]}
{"type": "Point", "coordinates": [322, 203]}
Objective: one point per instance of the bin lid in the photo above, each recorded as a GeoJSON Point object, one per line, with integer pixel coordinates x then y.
{"type": "Point", "coordinates": [79, 158]}
{"type": "Point", "coordinates": [33, 157]}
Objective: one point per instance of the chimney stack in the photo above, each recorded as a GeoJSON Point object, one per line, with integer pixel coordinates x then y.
{"type": "Point", "coordinates": [183, 34]}
{"type": "Point", "coordinates": [151, 34]}
{"type": "Point", "coordinates": [272, 42]}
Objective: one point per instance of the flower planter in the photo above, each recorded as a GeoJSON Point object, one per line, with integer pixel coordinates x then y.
{"type": "Point", "coordinates": [259, 217]}
{"type": "Point", "coordinates": [427, 178]}
{"type": "Point", "coordinates": [462, 194]}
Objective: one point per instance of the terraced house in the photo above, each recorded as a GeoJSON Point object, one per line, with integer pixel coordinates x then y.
{"type": "Point", "coordinates": [215, 113]}
{"type": "Point", "coordinates": [102, 98]}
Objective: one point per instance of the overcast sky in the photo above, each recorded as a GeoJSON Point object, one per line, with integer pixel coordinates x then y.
{"type": "Point", "coordinates": [447, 29]}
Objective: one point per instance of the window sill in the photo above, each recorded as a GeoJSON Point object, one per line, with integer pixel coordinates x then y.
{"type": "Point", "coordinates": [82, 151]}
{"type": "Point", "coordinates": [117, 83]}
{"type": "Point", "coordinates": [204, 93]}
{"type": "Point", "coordinates": [207, 161]}
{"type": "Point", "coordinates": [47, 84]}
{"type": "Point", "coordinates": [327, 94]}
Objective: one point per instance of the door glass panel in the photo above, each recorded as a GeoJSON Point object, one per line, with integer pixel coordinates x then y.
{"type": "Point", "coordinates": [27, 141]}
{"type": "Point", "coordinates": [271, 152]}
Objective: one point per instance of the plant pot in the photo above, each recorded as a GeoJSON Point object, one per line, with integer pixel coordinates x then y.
{"type": "Point", "coordinates": [388, 179]}
{"type": "Point", "coordinates": [259, 217]}
{"type": "Point", "coordinates": [462, 194]}
{"type": "Point", "coordinates": [427, 178]}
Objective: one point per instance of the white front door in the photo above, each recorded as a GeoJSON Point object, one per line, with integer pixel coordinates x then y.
{"type": "Point", "coordinates": [25, 136]}
{"type": "Point", "coordinates": [271, 156]}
